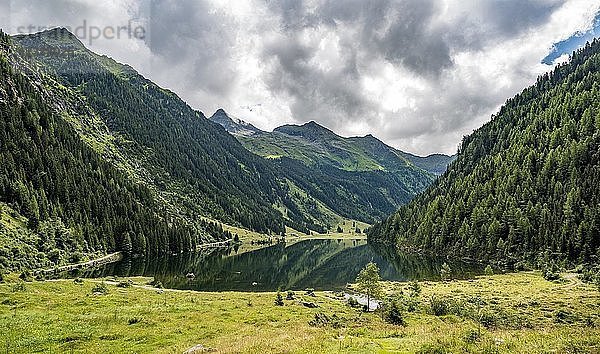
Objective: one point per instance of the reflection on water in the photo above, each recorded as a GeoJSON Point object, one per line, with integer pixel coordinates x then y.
{"type": "Point", "coordinates": [318, 264]}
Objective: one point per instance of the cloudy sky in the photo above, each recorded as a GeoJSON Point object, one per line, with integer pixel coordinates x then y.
{"type": "Point", "coordinates": [418, 74]}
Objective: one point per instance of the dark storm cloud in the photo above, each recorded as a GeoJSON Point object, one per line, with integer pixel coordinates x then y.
{"type": "Point", "coordinates": [417, 73]}
{"type": "Point", "coordinates": [193, 36]}
{"type": "Point", "coordinates": [315, 93]}
{"type": "Point", "coordinates": [411, 35]}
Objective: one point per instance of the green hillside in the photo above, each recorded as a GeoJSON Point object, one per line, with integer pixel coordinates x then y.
{"type": "Point", "coordinates": [59, 200]}
{"type": "Point", "coordinates": [189, 161]}
{"type": "Point", "coordinates": [358, 178]}
{"type": "Point", "coordinates": [314, 144]}
{"type": "Point", "coordinates": [525, 185]}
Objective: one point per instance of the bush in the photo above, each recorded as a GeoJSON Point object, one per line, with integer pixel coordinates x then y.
{"type": "Point", "coordinates": [439, 306]}
{"type": "Point", "coordinates": [156, 283]}
{"type": "Point", "coordinates": [25, 276]}
{"type": "Point", "coordinates": [550, 275]}
{"type": "Point", "coordinates": [125, 284]}
{"type": "Point", "coordinates": [551, 272]}
{"type": "Point", "coordinates": [472, 336]}
{"type": "Point", "coordinates": [100, 289]}
{"type": "Point", "coordinates": [489, 270]}
{"type": "Point", "coordinates": [1, 277]}
{"type": "Point", "coordinates": [19, 287]}
{"type": "Point", "coordinates": [352, 302]}
{"type": "Point", "coordinates": [322, 320]}
{"type": "Point", "coordinates": [78, 281]}
{"type": "Point", "coordinates": [76, 257]}
{"type": "Point", "coordinates": [393, 314]}
{"type": "Point", "coordinates": [279, 300]}
{"type": "Point", "coordinates": [290, 295]}
{"type": "Point", "coordinates": [134, 320]}
{"type": "Point", "coordinates": [310, 292]}
{"type": "Point", "coordinates": [488, 319]}
{"type": "Point", "coordinates": [446, 272]}
{"type": "Point", "coordinates": [564, 316]}
{"type": "Point", "coordinates": [415, 288]}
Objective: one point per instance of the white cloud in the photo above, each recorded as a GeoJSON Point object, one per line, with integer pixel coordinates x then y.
{"type": "Point", "coordinates": [418, 74]}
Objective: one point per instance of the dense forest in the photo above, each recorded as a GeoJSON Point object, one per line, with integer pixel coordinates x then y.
{"type": "Point", "coordinates": [524, 186]}
{"type": "Point", "coordinates": [73, 200]}
{"type": "Point", "coordinates": [186, 157]}
{"type": "Point", "coordinates": [193, 165]}
{"type": "Point", "coordinates": [359, 178]}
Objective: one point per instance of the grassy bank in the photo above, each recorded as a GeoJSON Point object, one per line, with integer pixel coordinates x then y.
{"type": "Point", "coordinates": [515, 313]}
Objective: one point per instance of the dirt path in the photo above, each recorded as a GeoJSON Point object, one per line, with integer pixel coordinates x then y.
{"type": "Point", "coordinates": [111, 258]}
{"type": "Point", "coordinates": [573, 281]}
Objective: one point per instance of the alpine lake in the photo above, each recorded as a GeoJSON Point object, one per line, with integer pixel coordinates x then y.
{"type": "Point", "coordinates": [319, 264]}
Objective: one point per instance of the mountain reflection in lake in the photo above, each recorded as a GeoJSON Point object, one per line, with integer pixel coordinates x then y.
{"type": "Point", "coordinates": [318, 264]}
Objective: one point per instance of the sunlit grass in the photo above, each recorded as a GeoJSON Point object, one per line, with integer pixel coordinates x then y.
{"type": "Point", "coordinates": [60, 316]}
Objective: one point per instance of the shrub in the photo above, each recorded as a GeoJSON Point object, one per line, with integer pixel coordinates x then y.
{"type": "Point", "coordinates": [134, 320]}
{"type": "Point", "coordinates": [352, 302]}
{"type": "Point", "coordinates": [322, 320]}
{"type": "Point", "coordinates": [446, 272]}
{"type": "Point", "coordinates": [415, 288]}
{"type": "Point", "coordinates": [125, 284]}
{"type": "Point", "coordinates": [290, 295]}
{"type": "Point", "coordinates": [1, 277]}
{"type": "Point", "coordinates": [472, 336]}
{"type": "Point", "coordinates": [76, 257]}
{"type": "Point", "coordinates": [564, 316]}
{"type": "Point", "coordinates": [279, 300]}
{"type": "Point", "coordinates": [78, 281]}
{"type": "Point", "coordinates": [551, 272]}
{"type": "Point", "coordinates": [439, 306]}
{"type": "Point", "coordinates": [25, 276]}
{"type": "Point", "coordinates": [488, 319]}
{"type": "Point", "coordinates": [156, 283]}
{"type": "Point", "coordinates": [19, 287]}
{"type": "Point", "coordinates": [100, 289]}
{"type": "Point", "coordinates": [489, 270]}
{"type": "Point", "coordinates": [550, 275]}
{"type": "Point", "coordinates": [393, 314]}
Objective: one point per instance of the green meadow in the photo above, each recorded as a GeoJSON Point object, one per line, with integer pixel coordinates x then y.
{"type": "Point", "coordinates": [508, 313]}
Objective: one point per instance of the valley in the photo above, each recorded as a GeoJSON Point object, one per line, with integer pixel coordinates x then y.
{"type": "Point", "coordinates": [174, 231]}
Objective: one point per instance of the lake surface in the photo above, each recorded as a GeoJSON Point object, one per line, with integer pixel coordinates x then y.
{"type": "Point", "coordinates": [318, 264]}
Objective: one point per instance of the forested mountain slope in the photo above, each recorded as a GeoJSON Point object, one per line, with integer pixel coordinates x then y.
{"type": "Point", "coordinates": [58, 197]}
{"type": "Point", "coordinates": [191, 163]}
{"type": "Point", "coordinates": [524, 186]}
{"type": "Point", "coordinates": [361, 178]}
{"type": "Point", "coordinates": [314, 144]}
{"type": "Point", "coordinates": [191, 166]}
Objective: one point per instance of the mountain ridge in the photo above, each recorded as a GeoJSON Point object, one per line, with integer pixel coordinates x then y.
{"type": "Point", "coordinates": [192, 167]}
{"type": "Point", "coordinates": [315, 136]}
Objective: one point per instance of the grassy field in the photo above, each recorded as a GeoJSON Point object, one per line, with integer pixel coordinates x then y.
{"type": "Point", "coordinates": [520, 313]}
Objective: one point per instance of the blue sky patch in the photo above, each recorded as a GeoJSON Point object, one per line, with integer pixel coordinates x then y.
{"type": "Point", "coordinates": [573, 43]}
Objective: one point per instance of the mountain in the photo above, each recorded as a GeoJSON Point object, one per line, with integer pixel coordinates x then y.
{"type": "Point", "coordinates": [60, 199]}
{"type": "Point", "coordinates": [525, 186]}
{"type": "Point", "coordinates": [187, 166]}
{"type": "Point", "coordinates": [314, 144]}
{"type": "Point", "coordinates": [358, 178]}
{"type": "Point", "coordinates": [233, 125]}
{"type": "Point", "coordinates": [192, 165]}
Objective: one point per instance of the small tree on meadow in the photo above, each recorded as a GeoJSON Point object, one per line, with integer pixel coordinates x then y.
{"type": "Point", "coordinates": [367, 282]}
{"type": "Point", "coordinates": [489, 270]}
{"type": "Point", "coordinates": [446, 272]}
{"type": "Point", "coordinates": [279, 300]}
